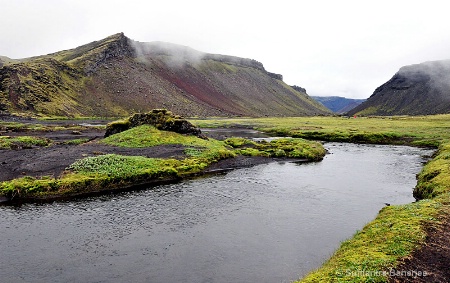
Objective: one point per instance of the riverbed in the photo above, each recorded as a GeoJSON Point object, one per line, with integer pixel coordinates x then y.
{"type": "Point", "coordinates": [269, 223]}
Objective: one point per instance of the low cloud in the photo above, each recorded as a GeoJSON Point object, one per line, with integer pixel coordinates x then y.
{"type": "Point", "coordinates": [174, 55]}
{"type": "Point", "coordinates": [435, 73]}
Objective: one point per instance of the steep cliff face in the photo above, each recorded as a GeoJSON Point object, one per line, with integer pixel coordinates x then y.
{"type": "Point", "coordinates": [421, 89]}
{"type": "Point", "coordinates": [117, 76]}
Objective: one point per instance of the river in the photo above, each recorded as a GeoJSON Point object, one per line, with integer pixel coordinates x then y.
{"type": "Point", "coordinates": [268, 223]}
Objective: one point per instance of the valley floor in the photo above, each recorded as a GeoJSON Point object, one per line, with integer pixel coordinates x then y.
{"type": "Point", "coordinates": [433, 256]}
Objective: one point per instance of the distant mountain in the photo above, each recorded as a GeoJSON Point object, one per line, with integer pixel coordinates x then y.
{"type": "Point", "coordinates": [338, 104]}
{"type": "Point", "coordinates": [117, 76]}
{"type": "Point", "coordinates": [420, 89]}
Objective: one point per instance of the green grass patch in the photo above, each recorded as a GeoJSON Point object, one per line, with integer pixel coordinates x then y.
{"type": "Point", "coordinates": [415, 130]}
{"type": "Point", "coordinates": [285, 147]}
{"type": "Point", "coordinates": [76, 141]}
{"type": "Point", "coordinates": [7, 142]}
{"type": "Point", "coordinates": [94, 174]}
{"type": "Point", "coordinates": [147, 136]}
{"type": "Point", "coordinates": [22, 127]}
{"type": "Point", "coordinates": [434, 179]}
{"type": "Point", "coordinates": [239, 142]}
{"type": "Point", "coordinates": [112, 165]}
{"type": "Point", "coordinates": [33, 127]}
{"type": "Point", "coordinates": [378, 247]}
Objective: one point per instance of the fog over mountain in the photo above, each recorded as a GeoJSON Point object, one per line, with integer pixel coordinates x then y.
{"type": "Point", "coordinates": [419, 89]}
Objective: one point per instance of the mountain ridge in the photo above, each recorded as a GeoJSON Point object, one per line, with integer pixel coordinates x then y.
{"type": "Point", "coordinates": [419, 89]}
{"type": "Point", "coordinates": [117, 76]}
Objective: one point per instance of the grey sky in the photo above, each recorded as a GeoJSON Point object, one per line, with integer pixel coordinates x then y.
{"type": "Point", "coordinates": [345, 48]}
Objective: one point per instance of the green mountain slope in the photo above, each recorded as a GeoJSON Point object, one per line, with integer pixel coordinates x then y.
{"type": "Point", "coordinates": [421, 89]}
{"type": "Point", "coordinates": [117, 76]}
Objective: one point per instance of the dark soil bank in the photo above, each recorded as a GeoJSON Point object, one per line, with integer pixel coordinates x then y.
{"type": "Point", "coordinates": [431, 261]}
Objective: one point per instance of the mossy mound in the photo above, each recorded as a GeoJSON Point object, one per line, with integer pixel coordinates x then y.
{"type": "Point", "coordinates": [162, 119]}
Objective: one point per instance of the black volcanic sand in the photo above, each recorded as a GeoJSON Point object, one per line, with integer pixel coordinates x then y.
{"type": "Point", "coordinates": [52, 160]}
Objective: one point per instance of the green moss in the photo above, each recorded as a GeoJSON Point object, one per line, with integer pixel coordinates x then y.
{"type": "Point", "coordinates": [76, 141]}
{"type": "Point", "coordinates": [377, 248]}
{"type": "Point", "coordinates": [417, 130]}
{"type": "Point", "coordinates": [28, 185]}
{"type": "Point", "coordinates": [147, 136]}
{"type": "Point", "coordinates": [238, 142]}
{"type": "Point", "coordinates": [7, 142]}
{"type": "Point", "coordinates": [113, 165]}
{"type": "Point", "coordinates": [434, 179]}
{"type": "Point", "coordinates": [285, 147]}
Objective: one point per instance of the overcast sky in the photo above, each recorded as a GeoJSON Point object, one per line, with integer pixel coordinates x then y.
{"type": "Point", "coordinates": [344, 48]}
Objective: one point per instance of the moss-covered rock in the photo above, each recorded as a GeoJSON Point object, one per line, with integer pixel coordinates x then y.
{"type": "Point", "coordinates": [162, 119]}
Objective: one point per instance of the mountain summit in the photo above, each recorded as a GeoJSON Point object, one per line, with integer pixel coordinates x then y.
{"type": "Point", "coordinates": [117, 76]}
{"type": "Point", "coordinates": [421, 89]}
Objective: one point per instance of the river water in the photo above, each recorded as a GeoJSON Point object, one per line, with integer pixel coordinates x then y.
{"type": "Point", "coordinates": [269, 223]}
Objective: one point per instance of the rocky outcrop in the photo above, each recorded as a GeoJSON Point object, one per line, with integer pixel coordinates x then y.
{"type": "Point", "coordinates": [298, 88]}
{"type": "Point", "coordinates": [275, 76]}
{"type": "Point", "coordinates": [160, 118]}
{"type": "Point", "coordinates": [113, 47]}
{"type": "Point", "coordinates": [244, 62]}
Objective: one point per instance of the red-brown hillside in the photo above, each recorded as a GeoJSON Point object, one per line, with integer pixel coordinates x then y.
{"type": "Point", "coordinates": [117, 76]}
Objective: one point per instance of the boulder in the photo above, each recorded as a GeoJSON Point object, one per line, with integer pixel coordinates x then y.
{"type": "Point", "coordinates": [162, 119]}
